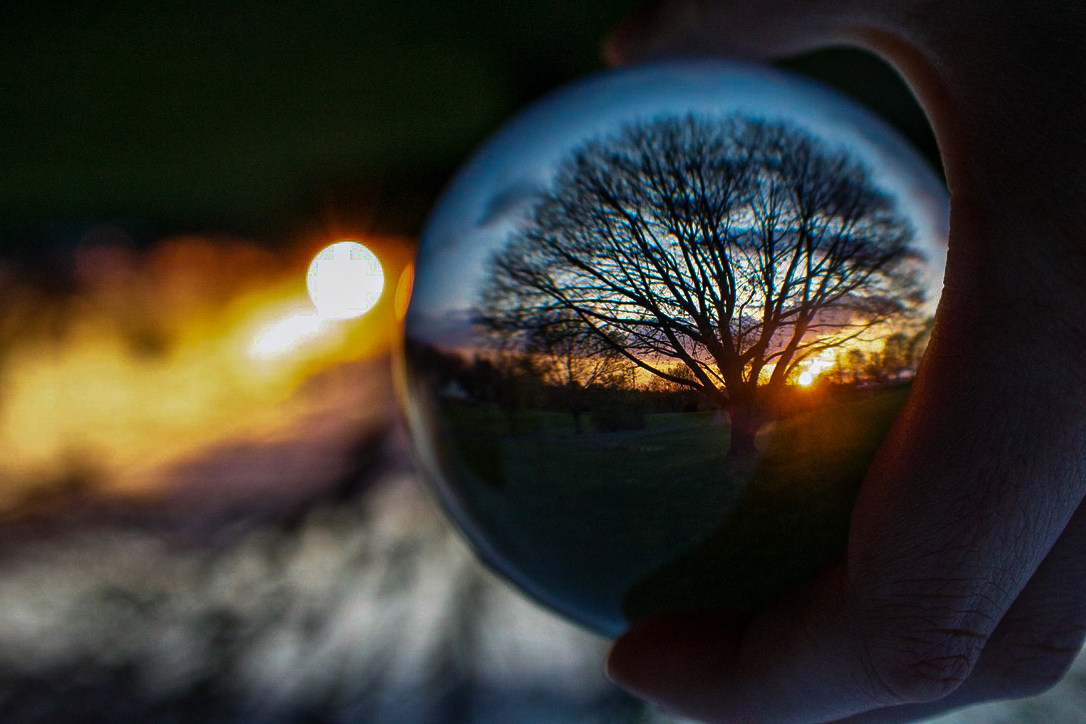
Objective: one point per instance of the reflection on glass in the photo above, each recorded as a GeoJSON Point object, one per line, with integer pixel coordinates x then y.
{"type": "Point", "coordinates": [660, 325]}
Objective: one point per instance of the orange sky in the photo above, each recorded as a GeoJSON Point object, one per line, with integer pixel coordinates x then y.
{"type": "Point", "coordinates": [154, 363]}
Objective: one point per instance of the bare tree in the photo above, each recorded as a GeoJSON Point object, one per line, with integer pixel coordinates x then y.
{"type": "Point", "coordinates": [734, 246]}
{"type": "Point", "coordinates": [575, 360]}
{"type": "Point", "coordinates": [666, 385]}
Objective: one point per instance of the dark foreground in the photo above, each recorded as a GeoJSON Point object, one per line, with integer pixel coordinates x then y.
{"type": "Point", "coordinates": [366, 608]}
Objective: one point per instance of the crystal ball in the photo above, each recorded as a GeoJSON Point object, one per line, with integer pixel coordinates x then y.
{"type": "Point", "coordinates": [660, 323]}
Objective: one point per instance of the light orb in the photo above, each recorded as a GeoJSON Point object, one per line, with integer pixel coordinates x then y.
{"type": "Point", "coordinates": [660, 324]}
{"type": "Point", "coordinates": [345, 280]}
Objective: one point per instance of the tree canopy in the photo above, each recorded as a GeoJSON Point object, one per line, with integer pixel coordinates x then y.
{"type": "Point", "coordinates": [736, 247]}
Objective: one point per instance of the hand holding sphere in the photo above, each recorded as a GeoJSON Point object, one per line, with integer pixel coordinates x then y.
{"type": "Point", "coordinates": [957, 584]}
{"type": "Point", "coordinates": [660, 325]}
{"type": "Point", "coordinates": [966, 551]}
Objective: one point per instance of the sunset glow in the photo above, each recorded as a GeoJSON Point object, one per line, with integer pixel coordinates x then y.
{"type": "Point", "coordinates": [176, 350]}
{"type": "Point", "coordinates": [814, 366]}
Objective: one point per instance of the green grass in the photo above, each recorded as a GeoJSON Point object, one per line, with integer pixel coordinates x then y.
{"type": "Point", "coordinates": [629, 523]}
{"type": "Point", "coordinates": [789, 523]}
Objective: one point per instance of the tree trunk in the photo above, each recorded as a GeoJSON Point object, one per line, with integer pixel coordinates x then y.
{"type": "Point", "coordinates": [746, 420]}
{"type": "Point", "coordinates": [748, 414]}
{"type": "Point", "coordinates": [578, 428]}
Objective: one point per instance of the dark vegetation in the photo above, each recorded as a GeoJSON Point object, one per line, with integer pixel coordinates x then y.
{"type": "Point", "coordinates": [656, 484]}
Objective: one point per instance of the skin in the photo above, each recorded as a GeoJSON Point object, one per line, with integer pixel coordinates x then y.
{"type": "Point", "coordinates": [963, 580]}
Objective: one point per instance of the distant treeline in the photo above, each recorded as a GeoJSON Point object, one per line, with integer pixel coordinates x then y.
{"type": "Point", "coordinates": [514, 382]}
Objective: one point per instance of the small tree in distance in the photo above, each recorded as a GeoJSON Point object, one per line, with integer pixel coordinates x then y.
{"type": "Point", "coordinates": [575, 360]}
{"type": "Point", "coordinates": [735, 247]}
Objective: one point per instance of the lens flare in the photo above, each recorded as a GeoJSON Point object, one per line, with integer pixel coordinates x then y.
{"type": "Point", "coordinates": [278, 338]}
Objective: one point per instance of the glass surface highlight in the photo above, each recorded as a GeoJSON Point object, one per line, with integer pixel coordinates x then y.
{"type": "Point", "coordinates": [659, 325]}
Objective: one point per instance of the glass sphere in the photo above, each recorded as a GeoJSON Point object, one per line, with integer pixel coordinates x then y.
{"type": "Point", "coordinates": [659, 325]}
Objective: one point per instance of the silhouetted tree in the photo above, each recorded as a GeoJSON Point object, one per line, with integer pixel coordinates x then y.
{"type": "Point", "coordinates": [857, 365]}
{"type": "Point", "coordinates": [734, 246]}
{"type": "Point", "coordinates": [668, 384]}
{"type": "Point", "coordinates": [575, 360]}
{"type": "Point", "coordinates": [919, 342]}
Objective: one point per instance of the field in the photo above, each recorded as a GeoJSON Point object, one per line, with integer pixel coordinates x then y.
{"type": "Point", "coordinates": [788, 523]}
{"type": "Point", "coordinates": [609, 527]}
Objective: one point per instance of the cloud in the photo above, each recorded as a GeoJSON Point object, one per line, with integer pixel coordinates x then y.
{"type": "Point", "coordinates": [509, 203]}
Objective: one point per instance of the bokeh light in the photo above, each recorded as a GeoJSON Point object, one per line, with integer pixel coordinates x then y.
{"type": "Point", "coordinates": [345, 280]}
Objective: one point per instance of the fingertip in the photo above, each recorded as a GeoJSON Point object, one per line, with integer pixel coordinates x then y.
{"type": "Point", "coordinates": [633, 658]}
{"type": "Point", "coordinates": [667, 658]}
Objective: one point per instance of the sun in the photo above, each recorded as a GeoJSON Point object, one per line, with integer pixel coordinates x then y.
{"type": "Point", "coordinates": [345, 280]}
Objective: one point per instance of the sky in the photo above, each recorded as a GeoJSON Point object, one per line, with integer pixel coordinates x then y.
{"type": "Point", "coordinates": [246, 113]}
{"type": "Point", "coordinates": [494, 190]}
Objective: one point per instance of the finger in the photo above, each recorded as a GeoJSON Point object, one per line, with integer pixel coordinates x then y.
{"type": "Point", "coordinates": [978, 479]}
{"type": "Point", "coordinates": [1033, 645]}
{"type": "Point", "coordinates": [794, 662]}
{"type": "Point", "coordinates": [955, 518]}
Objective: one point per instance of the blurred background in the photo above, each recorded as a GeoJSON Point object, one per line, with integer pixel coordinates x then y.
{"type": "Point", "coordinates": [208, 509]}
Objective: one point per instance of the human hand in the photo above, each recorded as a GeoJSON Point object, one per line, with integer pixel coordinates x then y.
{"type": "Point", "coordinates": [967, 553]}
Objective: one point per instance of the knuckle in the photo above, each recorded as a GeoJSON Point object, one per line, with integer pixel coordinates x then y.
{"type": "Point", "coordinates": [920, 651]}
{"type": "Point", "coordinates": [924, 664]}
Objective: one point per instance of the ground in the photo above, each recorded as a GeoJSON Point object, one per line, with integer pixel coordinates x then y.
{"type": "Point", "coordinates": [609, 527]}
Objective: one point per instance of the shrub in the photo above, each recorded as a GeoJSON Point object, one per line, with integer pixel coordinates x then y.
{"type": "Point", "coordinates": [620, 412]}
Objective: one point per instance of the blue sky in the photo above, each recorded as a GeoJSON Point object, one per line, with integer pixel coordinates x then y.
{"type": "Point", "coordinates": [496, 187]}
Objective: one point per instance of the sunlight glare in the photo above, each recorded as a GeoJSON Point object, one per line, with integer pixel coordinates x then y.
{"type": "Point", "coordinates": [345, 280]}
{"type": "Point", "coordinates": [814, 368]}
{"type": "Point", "coordinates": [286, 334]}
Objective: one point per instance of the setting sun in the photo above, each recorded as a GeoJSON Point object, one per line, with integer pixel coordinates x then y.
{"type": "Point", "coordinates": [345, 280]}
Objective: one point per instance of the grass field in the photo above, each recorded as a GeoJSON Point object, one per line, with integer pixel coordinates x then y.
{"type": "Point", "coordinates": [791, 520]}
{"type": "Point", "coordinates": [613, 526]}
